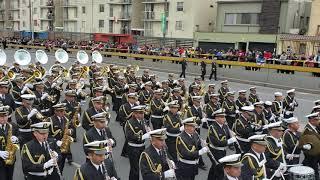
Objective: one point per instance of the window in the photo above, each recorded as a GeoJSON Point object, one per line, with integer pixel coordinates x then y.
{"type": "Point", "coordinates": [23, 24]}
{"type": "Point", "coordinates": [35, 10]}
{"type": "Point", "coordinates": [83, 9]}
{"type": "Point", "coordinates": [241, 18]}
{"type": "Point", "coordinates": [111, 12]}
{"type": "Point", "coordinates": [35, 23]}
{"type": "Point", "coordinates": [83, 25]}
{"type": "Point", "coordinates": [179, 6]}
{"type": "Point", "coordinates": [110, 26]}
{"type": "Point", "coordinates": [101, 8]}
{"type": "Point", "coordinates": [23, 12]}
{"type": "Point", "coordinates": [101, 23]}
{"type": "Point", "coordinates": [178, 25]}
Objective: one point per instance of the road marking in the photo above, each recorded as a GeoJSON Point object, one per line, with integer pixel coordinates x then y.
{"type": "Point", "coordinates": [75, 164]}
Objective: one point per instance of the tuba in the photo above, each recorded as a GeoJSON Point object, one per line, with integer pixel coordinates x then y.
{"type": "Point", "coordinates": [41, 57]}
{"type": "Point", "coordinates": [3, 57]}
{"type": "Point", "coordinates": [10, 148]}
{"type": "Point", "coordinates": [82, 57]}
{"type": "Point", "coordinates": [96, 57]}
{"type": "Point", "coordinates": [61, 56]}
{"type": "Point", "coordinates": [22, 57]}
{"type": "Point", "coordinates": [66, 139]}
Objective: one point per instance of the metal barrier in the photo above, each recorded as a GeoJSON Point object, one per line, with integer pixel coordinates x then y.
{"type": "Point", "coordinates": [113, 52]}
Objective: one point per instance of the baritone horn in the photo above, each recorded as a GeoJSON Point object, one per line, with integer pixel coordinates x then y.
{"type": "Point", "coordinates": [22, 57]}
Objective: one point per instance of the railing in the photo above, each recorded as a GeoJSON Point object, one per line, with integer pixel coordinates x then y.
{"type": "Point", "coordinates": [124, 52]}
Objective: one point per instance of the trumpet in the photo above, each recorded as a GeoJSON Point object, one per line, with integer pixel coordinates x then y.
{"type": "Point", "coordinates": [36, 74]}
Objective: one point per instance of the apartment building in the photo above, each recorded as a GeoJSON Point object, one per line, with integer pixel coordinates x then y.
{"type": "Point", "coordinates": [314, 26]}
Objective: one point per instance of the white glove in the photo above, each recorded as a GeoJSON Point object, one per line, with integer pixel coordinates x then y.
{"type": "Point", "coordinates": [173, 164]}
{"type": "Point", "coordinates": [166, 109]}
{"type": "Point", "coordinates": [289, 156]}
{"type": "Point", "coordinates": [204, 120]}
{"type": "Point", "coordinates": [49, 163]}
{"type": "Point", "coordinates": [79, 91]}
{"type": "Point", "coordinates": [24, 89]}
{"type": "Point", "coordinates": [111, 142]}
{"type": "Point", "coordinates": [14, 139]}
{"type": "Point", "coordinates": [288, 113]}
{"type": "Point", "coordinates": [231, 140]}
{"type": "Point", "coordinates": [30, 86]}
{"type": "Point", "coordinates": [59, 143]}
{"type": "Point", "coordinates": [55, 154]}
{"type": "Point", "coordinates": [307, 147]}
{"type": "Point", "coordinates": [126, 86]}
{"type": "Point", "coordinates": [113, 178]}
{"type": "Point", "coordinates": [179, 113]}
{"type": "Point", "coordinates": [262, 163]}
{"type": "Point", "coordinates": [45, 95]}
{"type": "Point", "coordinates": [203, 150]}
{"type": "Point", "coordinates": [138, 103]}
{"type": "Point", "coordinates": [182, 128]}
{"type": "Point", "coordinates": [145, 136]}
{"type": "Point", "coordinates": [278, 174]}
{"type": "Point", "coordinates": [53, 85]}
{"type": "Point", "coordinates": [169, 173]}
{"type": "Point", "coordinates": [291, 104]}
{"type": "Point", "coordinates": [283, 168]}
{"type": "Point", "coordinates": [281, 115]}
{"type": "Point", "coordinates": [4, 154]}
{"type": "Point", "coordinates": [237, 111]}
{"type": "Point", "coordinates": [32, 113]}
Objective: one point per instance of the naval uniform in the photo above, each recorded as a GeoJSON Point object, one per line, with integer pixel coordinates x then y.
{"type": "Point", "coordinates": [156, 107]}
{"type": "Point", "coordinates": [253, 167]}
{"type": "Point", "coordinates": [230, 108]}
{"type": "Point", "coordinates": [273, 154]}
{"type": "Point", "coordinates": [134, 129]}
{"type": "Point", "coordinates": [172, 122]}
{"type": "Point", "coordinates": [253, 98]}
{"type": "Point", "coordinates": [290, 140]}
{"type": "Point", "coordinates": [289, 104]}
{"type": "Point", "coordinates": [6, 171]}
{"type": "Point", "coordinates": [86, 119]}
{"type": "Point", "coordinates": [243, 130]}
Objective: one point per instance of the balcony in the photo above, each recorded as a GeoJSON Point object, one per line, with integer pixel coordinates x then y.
{"type": "Point", "coordinates": [69, 5]}
{"type": "Point", "coordinates": [49, 4]}
{"type": "Point", "coordinates": [14, 8]}
{"type": "Point", "coordinates": [153, 16]}
{"type": "Point", "coordinates": [155, 1]}
{"type": "Point", "coordinates": [48, 17]}
{"type": "Point", "coordinates": [70, 19]}
{"type": "Point", "coordinates": [120, 2]}
{"type": "Point", "coordinates": [124, 17]}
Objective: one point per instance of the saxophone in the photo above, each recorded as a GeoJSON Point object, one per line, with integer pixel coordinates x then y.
{"type": "Point", "coordinates": [75, 119]}
{"type": "Point", "coordinates": [11, 148]}
{"type": "Point", "coordinates": [66, 139]}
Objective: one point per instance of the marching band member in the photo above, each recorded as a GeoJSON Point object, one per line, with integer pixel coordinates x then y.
{"type": "Point", "coordinates": [25, 117]}
{"type": "Point", "coordinates": [125, 113]}
{"type": "Point", "coordinates": [131, 79]}
{"type": "Point", "coordinates": [211, 107]}
{"type": "Point", "coordinates": [98, 91]}
{"type": "Point", "coordinates": [101, 132]}
{"type": "Point", "coordinates": [145, 76]}
{"type": "Point", "coordinates": [310, 143]}
{"type": "Point", "coordinates": [210, 91]}
{"type": "Point", "coordinates": [196, 111]}
{"type": "Point", "coordinates": [6, 169]}
{"type": "Point", "coordinates": [254, 160]}
{"type": "Point", "coordinates": [197, 82]}
{"type": "Point", "coordinates": [118, 91]}
{"type": "Point", "coordinates": [73, 110]}
{"type": "Point", "coordinates": [231, 166]}
{"type": "Point", "coordinates": [181, 84]}
{"type": "Point", "coordinates": [317, 102]}
{"type": "Point", "coordinates": [277, 105]}
{"type": "Point", "coordinates": [95, 168]}
{"type": "Point", "coordinates": [230, 107]}
{"type": "Point", "coordinates": [315, 109]}
{"type": "Point", "coordinates": [97, 108]}
{"type": "Point", "coordinates": [131, 89]}
{"type": "Point", "coordinates": [146, 94]}
{"type": "Point", "coordinates": [154, 161]}
{"type": "Point", "coordinates": [172, 122]}
{"type": "Point", "coordinates": [289, 104]}
{"type": "Point", "coordinates": [195, 92]}
{"type": "Point", "coordinates": [60, 129]}
{"type": "Point", "coordinates": [171, 80]}
{"type": "Point", "coordinates": [5, 97]}
{"type": "Point", "coordinates": [223, 90]}
{"type": "Point", "coordinates": [243, 127]}
{"type": "Point", "coordinates": [219, 138]}
{"type": "Point", "coordinates": [157, 107]}
{"type": "Point", "coordinates": [258, 115]}
{"type": "Point", "coordinates": [40, 155]}
{"type": "Point", "coordinates": [267, 111]}
{"type": "Point", "coordinates": [189, 150]}
{"type": "Point", "coordinates": [16, 90]}
{"type": "Point", "coordinates": [275, 156]}
{"type": "Point", "coordinates": [41, 101]}
{"type": "Point", "coordinates": [135, 131]}
{"type": "Point", "coordinates": [242, 100]}
{"type": "Point", "coordinates": [253, 97]}
{"type": "Point", "coordinates": [176, 96]}
{"type": "Point", "coordinates": [166, 90]}
{"type": "Point", "coordinates": [291, 138]}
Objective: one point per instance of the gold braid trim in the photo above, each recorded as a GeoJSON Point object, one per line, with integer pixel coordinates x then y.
{"type": "Point", "coordinates": [26, 151]}
{"type": "Point", "coordinates": [156, 170]}
{"type": "Point", "coordinates": [54, 133]}
{"type": "Point", "coordinates": [78, 175]}
{"type": "Point", "coordinates": [179, 141]}
{"type": "Point", "coordinates": [259, 173]}
{"type": "Point", "coordinates": [20, 114]}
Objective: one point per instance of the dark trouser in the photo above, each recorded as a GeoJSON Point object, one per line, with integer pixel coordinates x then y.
{"type": "Point", "coordinates": [53, 176]}
{"type": "Point", "coordinates": [245, 146]}
{"type": "Point", "coordinates": [124, 152]}
{"type": "Point", "coordinates": [215, 75]}
{"type": "Point", "coordinates": [216, 170]}
{"type": "Point", "coordinates": [116, 104]}
{"type": "Point", "coordinates": [171, 144]}
{"type": "Point", "coordinates": [186, 171]}
{"type": "Point", "coordinates": [230, 120]}
{"type": "Point", "coordinates": [62, 160]}
{"type": "Point", "coordinates": [312, 161]}
{"type": "Point", "coordinates": [134, 157]}
{"type": "Point", "coordinates": [203, 73]}
{"type": "Point", "coordinates": [157, 123]}
{"type": "Point", "coordinates": [6, 172]}
{"type": "Point", "coordinates": [24, 137]}
{"type": "Point", "coordinates": [183, 73]}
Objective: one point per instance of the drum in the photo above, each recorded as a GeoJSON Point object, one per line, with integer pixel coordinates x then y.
{"type": "Point", "coordinates": [301, 173]}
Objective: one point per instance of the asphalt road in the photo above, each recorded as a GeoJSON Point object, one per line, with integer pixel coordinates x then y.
{"type": "Point", "coordinates": [305, 101]}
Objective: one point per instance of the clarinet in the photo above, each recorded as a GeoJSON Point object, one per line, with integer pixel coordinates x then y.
{"type": "Point", "coordinates": [53, 157]}
{"type": "Point", "coordinates": [205, 144]}
{"type": "Point", "coordinates": [106, 175]}
{"type": "Point", "coordinates": [171, 166]}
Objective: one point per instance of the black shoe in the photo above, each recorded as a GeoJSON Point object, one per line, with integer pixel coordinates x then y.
{"type": "Point", "coordinates": [203, 167]}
